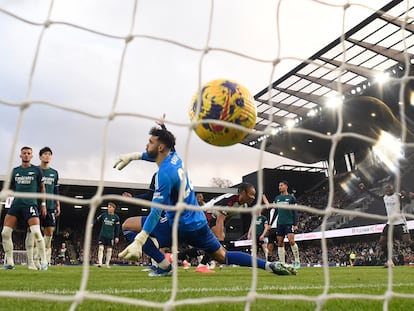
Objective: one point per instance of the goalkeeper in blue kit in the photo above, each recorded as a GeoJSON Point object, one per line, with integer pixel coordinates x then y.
{"type": "Point", "coordinates": [192, 227]}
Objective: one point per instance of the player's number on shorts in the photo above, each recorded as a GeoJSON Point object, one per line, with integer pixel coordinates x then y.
{"type": "Point", "coordinates": [33, 211]}
{"type": "Point", "coordinates": [405, 229]}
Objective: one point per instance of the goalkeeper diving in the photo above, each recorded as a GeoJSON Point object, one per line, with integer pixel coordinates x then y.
{"type": "Point", "coordinates": [192, 227]}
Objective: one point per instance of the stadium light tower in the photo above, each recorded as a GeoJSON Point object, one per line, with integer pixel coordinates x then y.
{"type": "Point", "coordinates": [290, 123]}
{"type": "Point", "coordinates": [382, 77]}
{"type": "Point", "coordinates": [388, 149]}
{"type": "Point", "coordinates": [334, 102]}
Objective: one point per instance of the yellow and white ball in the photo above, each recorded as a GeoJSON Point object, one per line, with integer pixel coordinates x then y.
{"type": "Point", "coordinates": [223, 100]}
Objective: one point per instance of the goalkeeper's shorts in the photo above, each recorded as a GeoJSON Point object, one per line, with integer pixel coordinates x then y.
{"type": "Point", "coordinates": [161, 232]}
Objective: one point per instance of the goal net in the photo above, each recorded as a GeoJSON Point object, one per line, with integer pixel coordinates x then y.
{"type": "Point", "coordinates": [20, 257]}
{"type": "Point", "coordinates": [89, 78]}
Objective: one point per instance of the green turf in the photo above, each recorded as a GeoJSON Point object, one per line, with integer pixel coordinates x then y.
{"type": "Point", "coordinates": [232, 283]}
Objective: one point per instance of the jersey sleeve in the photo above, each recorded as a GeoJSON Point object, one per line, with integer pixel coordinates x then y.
{"type": "Point", "coordinates": [56, 187]}
{"type": "Point", "coordinates": [295, 213]}
{"type": "Point", "coordinates": [12, 181]}
{"type": "Point", "coordinates": [97, 219]}
{"type": "Point", "coordinates": [39, 177]}
{"type": "Point", "coordinates": [117, 227]}
{"type": "Point", "coordinates": [146, 157]}
{"type": "Point", "coordinates": [147, 195]}
{"type": "Point", "coordinates": [295, 217]}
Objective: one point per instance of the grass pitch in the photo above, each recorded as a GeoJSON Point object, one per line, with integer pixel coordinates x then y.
{"type": "Point", "coordinates": [357, 288]}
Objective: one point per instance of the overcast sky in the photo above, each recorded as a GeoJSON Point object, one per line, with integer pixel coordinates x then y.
{"type": "Point", "coordinates": [77, 69]}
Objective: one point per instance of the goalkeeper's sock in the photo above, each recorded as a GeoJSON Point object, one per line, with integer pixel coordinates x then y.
{"type": "Point", "coordinates": [243, 259]}
{"type": "Point", "coordinates": [164, 264]}
{"type": "Point", "coordinates": [151, 250]}
{"type": "Point", "coordinates": [281, 252]}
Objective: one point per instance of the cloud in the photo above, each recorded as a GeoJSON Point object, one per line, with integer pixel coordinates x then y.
{"type": "Point", "coordinates": [77, 69]}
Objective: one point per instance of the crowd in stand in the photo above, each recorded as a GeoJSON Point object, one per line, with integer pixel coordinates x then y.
{"type": "Point", "coordinates": [319, 199]}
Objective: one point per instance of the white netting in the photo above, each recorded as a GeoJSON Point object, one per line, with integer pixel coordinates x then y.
{"type": "Point", "coordinates": [133, 45]}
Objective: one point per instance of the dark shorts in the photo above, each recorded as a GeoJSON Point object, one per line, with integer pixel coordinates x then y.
{"type": "Point", "coordinates": [24, 213]}
{"type": "Point", "coordinates": [106, 241]}
{"type": "Point", "coordinates": [260, 243]}
{"type": "Point", "coordinates": [161, 232]}
{"type": "Point", "coordinates": [201, 239]}
{"type": "Point", "coordinates": [49, 220]}
{"type": "Point", "coordinates": [399, 230]}
{"type": "Point", "coordinates": [283, 230]}
{"type": "Point", "coordinates": [272, 235]}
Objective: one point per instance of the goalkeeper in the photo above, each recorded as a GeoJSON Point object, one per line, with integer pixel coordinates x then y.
{"type": "Point", "coordinates": [192, 227]}
{"type": "Point", "coordinates": [160, 236]}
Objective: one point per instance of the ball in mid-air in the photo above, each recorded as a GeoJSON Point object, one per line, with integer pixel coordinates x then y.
{"type": "Point", "coordinates": [223, 100]}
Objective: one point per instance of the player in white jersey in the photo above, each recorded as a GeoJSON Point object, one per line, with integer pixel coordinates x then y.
{"type": "Point", "coordinates": [393, 207]}
{"type": "Point", "coordinates": [272, 241]}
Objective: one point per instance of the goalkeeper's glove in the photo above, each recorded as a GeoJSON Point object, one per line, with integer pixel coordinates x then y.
{"type": "Point", "coordinates": [124, 159]}
{"type": "Point", "coordinates": [134, 250]}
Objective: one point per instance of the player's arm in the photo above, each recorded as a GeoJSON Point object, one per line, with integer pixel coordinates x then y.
{"type": "Point", "coordinates": [161, 122]}
{"type": "Point", "coordinates": [97, 219]}
{"type": "Point", "coordinates": [117, 230]}
{"type": "Point", "coordinates": [42, 189]}
{"type": "Point", "coordinates": [366, 190]}
{"type": "Point", "coordinates": [249, 233]}
{"type": "Point", "coordinates": [265, 200]}
{"type": "Point", "coordinates": [12, 182]}
{"type": "Point", "coordinates": [161, 196]}
{"type": "Point", "coordinates": [147, 195]}
{"type": "Point", "coordinates": [265, 230]}
{"type": "Point", "coordinates": [124, 159]}
{"type": "Point", "coordinates": [295, 216]}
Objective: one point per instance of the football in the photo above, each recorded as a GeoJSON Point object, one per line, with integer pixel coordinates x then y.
{"type": "Point", "coordinates": [223, 100]}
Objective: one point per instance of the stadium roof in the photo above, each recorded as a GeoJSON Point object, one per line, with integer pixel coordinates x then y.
{"type": "Point", "coordinates": [348, 69]}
